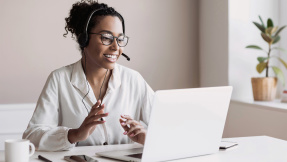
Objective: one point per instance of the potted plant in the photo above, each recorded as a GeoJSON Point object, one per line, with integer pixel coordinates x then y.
{"type": "Point", "coordinates": [264, 88]}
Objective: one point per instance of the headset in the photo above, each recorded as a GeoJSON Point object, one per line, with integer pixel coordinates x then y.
{"type": "Point", "coordinates": [83, 38]}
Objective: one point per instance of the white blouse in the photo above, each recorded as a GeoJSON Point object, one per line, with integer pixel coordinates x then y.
{"type": "Point", "coordinates": [60, 108]}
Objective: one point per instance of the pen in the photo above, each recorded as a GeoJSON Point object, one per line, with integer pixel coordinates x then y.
{"type": "Point", "coordinates": [44, 159]}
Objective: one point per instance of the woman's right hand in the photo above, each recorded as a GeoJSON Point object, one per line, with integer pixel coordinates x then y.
{"type": "Point", "coordinates": [89, 124]}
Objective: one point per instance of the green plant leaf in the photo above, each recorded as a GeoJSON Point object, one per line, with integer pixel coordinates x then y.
{"type": "Point", "coordinates": [280, 30]}
{"type": "Point", "coordinates": [262, 59]}
{"type": "Point", "coordinates": [266, 38]}
{"type": "Point", "coordinates": [261, 66]}
{"type": "Point", "coordinates": [260, 27]}
{"type": "Point", "coordinates": [269, 30]}
{"type": "Point", "coordinates": [279, 74]}
{"type": "Point", "coordinates": [278, 48]}
{"type": "Point", "coordinates": [276, 39]}
{"type": "Point", "coordinates": [254, 47]}
{"type": "Point", "coordinates": [269, 23]}
{"type": "Point", "coordinates": [283, 62]}
{"type": "Point", "coordinates": [261, 22]}
{"type": "Point", "coordinates": [274, 29]}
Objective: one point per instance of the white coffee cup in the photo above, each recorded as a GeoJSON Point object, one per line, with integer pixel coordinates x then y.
{"type": "Point", "coordinates": [18, 150]}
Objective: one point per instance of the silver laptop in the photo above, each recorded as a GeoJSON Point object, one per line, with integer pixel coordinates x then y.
{"type": "Point", "coordinates": [184, 123]}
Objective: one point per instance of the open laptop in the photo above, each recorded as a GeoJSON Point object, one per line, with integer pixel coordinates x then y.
{"type": "Point", "coordinates": [183, 123]}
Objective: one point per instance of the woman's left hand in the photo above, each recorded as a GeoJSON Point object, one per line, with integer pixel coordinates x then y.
{"type": "Point", "coordinates": [133, 129]}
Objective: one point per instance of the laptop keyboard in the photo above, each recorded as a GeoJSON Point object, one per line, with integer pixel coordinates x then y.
{"type": "Point", "coordinates": [139, 155]}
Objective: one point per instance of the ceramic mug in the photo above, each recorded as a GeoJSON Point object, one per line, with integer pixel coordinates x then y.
{"type": "Point", "coordinates": [18, 150]}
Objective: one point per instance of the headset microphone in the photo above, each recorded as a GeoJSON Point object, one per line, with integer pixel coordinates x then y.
{"type": "Point", "coordinates": [127, 57]}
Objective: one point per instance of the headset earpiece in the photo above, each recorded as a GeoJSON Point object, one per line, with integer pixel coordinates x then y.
{"type": "Point", "coordinates": [83, 40]}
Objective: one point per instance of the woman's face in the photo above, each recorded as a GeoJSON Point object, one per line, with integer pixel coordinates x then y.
{"type": "Point", "coordinates": [104, 56]}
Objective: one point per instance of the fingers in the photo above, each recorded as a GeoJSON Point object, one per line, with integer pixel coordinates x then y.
{"type": "Point", "coordinates": [98, 103]}
{"type": "Point", "coordinates": [122, 122]}
{"type": "Point", "coordinates": [131, 127]}
{"type": "Point", "coordinates": [95, 122]}
{"type": "Point", "coordinates": [96, 117]}
{"type": "Point", "coordinates": [97, 108]}
{"type": "Point", "coordinates": [91, 121]}
{"type": "Point", "coordinates": [126, 117]}
{"type": "Point", "coordinates": [133, 130]}
{"type": "Point", "coordinates": [129, 120]}
{"type": "Point", "coordinates": [137, 132]}
{"type": "Point", "coordinates": [97, 112]}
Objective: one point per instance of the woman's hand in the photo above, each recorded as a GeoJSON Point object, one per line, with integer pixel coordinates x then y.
{"type": "Point", "coordinates": [89, 124]}
{"type": "Point", "coordinates": [133, 129]}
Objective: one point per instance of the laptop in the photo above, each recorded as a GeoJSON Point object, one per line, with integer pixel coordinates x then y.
{"type": "Point", "coordinates": [184, 123]}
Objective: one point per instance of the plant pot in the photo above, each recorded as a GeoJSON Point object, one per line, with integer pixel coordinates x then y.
{"type": "Point", "coordinates": [264, 89]}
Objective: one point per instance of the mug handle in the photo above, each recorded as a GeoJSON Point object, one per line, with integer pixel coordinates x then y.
{"type": "Point", "coordinates": [32, 149]}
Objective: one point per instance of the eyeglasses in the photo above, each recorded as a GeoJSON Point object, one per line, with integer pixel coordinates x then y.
{"type": "Point", "coordinates": [108, 39]}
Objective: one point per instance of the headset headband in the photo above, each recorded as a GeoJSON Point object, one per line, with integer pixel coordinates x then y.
{"type": "Point", "coordinates": [83, 38]}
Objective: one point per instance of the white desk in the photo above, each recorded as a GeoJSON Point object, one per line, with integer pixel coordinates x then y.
{"type": "Point", "coordinates": [250, 149]}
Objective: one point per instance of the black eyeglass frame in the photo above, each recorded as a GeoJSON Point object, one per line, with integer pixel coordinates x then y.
{"type": "Point", "coordinates": [117, 38]}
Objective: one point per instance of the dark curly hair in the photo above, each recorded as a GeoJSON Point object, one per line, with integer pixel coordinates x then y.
{"type": "Point", "coordinates": [79, 14]}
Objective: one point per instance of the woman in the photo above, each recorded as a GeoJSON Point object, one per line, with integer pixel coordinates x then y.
{"type": "Point", "coordinates": [83, 103]}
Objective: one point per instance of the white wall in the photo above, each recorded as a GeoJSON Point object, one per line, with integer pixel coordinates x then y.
{"type": "Point", "coordinates": [249, 119]}
{"type": "Point", "coordinates": [213, 46]}
{"type": "Point", "coordinates": [163, 44]}
{"type": "Point", "coordinates": [283, 34]}
{"type": "Point", "coordinates": [163, 47]}
{"type": "Point", "coordinates": [226, 28]}
{"type": "Point", "coordinates": [242, 32]}
{"type": "Point", "coordinates": [170, 42]}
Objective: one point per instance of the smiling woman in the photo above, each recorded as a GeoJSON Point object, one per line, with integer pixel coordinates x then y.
{"type": "Point", "coordinates": [102, 46]}
{"type": "Point", "coordinates": [32, 43]}
{"type": "Point", "coordinates": [94, 101]}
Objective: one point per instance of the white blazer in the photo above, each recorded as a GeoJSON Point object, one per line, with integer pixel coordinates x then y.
{"type": "Point", "coordinates": [60, 108]}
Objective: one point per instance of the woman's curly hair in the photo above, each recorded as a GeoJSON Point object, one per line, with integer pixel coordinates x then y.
{"type": "Point", "coordinates": [80, 12]}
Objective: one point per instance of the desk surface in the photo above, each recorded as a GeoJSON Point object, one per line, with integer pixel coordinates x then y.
{"type": "Point", "coordinates": [250, 149]}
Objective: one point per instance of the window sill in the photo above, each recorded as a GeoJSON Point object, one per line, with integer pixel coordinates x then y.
{"type": "Point", "coordinates": [276, 104]}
